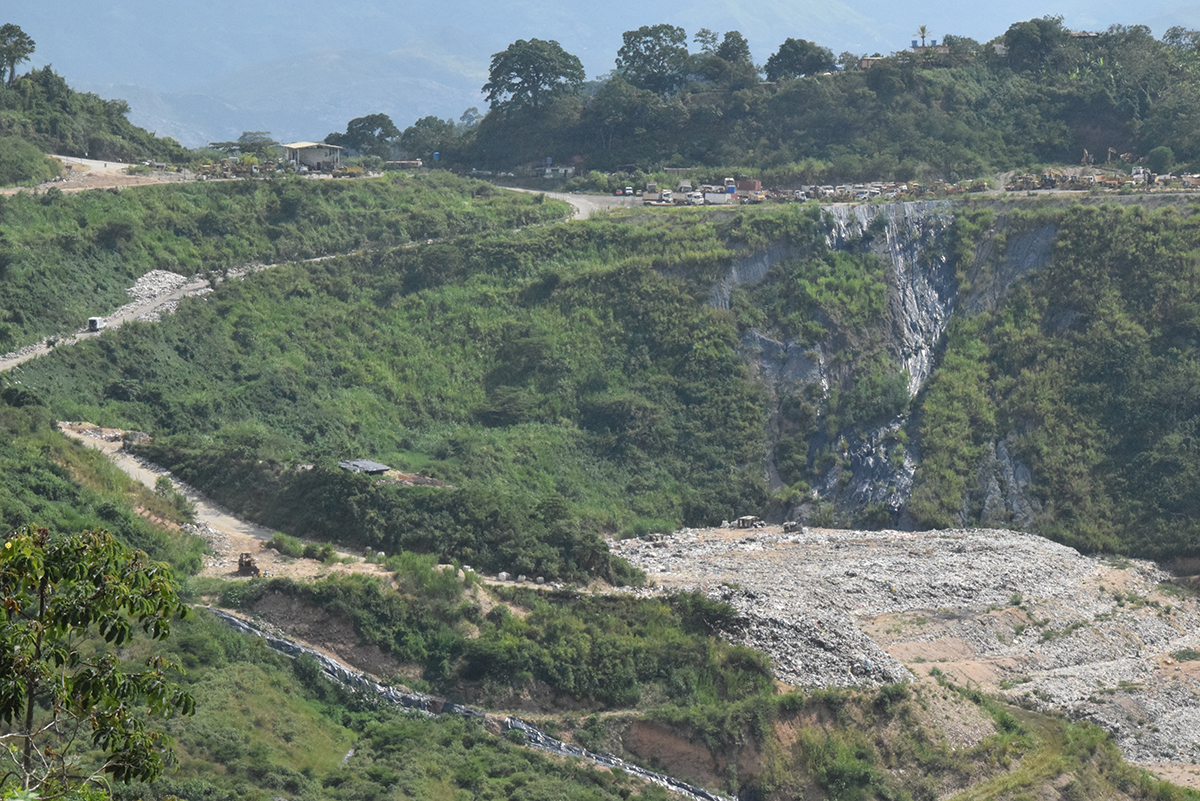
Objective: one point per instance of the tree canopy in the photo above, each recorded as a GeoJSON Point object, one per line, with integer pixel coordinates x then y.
{"type": "Point", "coordinates": [372, 135]}
{"type": "Point", "coordinates": [654, 57]}
{"type": "Point", "coordinates": [427, 136]}
{"type": "Point", "coordinates": [15, 46]}
{"type": "Point", "coordinates": [734, 48]}
{"type": "Point", "coordinates": [527, 71]}
{"type": "Point", "coordinates": [59, 595]}
{"type": "Point", "coordinates": [796, 57]}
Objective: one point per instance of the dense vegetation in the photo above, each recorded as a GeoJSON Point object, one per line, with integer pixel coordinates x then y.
{"type": "Point", "coordinates": [264, 726]}
{"type": "Point", "coordinates": [53, 482]}
{"type": "Point", "coordinates": [557, 376]}
{"type": "Point", "coordinates": [953, 112]}
{"type": "Point", "coordinates": [40, 108]}
{"type": "Point", "coordinates": [65, 257]}
{"type": "Point", "coordinates": [22, 162]}
{"type": "Point", "coordinates": [1092, 365]}
{"type": "Point", "coordinates": [597, 651]}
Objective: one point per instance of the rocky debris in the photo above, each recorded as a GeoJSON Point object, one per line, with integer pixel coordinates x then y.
{"type": "Point", "coordinates": [1010, 612]}
{"type": "Point", "coordinates": [154, 285]}
{"type": "Point", "coordinates": [218, 543]}
{"type": "Point", "coordinates": [814, 649]}
{"type": "Point", "coordinates": [430, 706]}
{"type": "Point", "coordinates": [92, 431]}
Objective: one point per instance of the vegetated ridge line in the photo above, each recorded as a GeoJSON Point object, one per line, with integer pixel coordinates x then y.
{"type": "Point", "coordinates": [430, 706]}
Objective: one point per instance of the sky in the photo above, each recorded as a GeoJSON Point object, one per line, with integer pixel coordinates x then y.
{"type": "Point", "coordinates": [301, 69]}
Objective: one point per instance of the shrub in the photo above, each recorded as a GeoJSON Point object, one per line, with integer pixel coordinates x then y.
{"type": "Point", "coordinates": [23, 163]}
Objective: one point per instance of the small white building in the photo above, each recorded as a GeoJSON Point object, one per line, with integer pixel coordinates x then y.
{"type": "Point", "coordinates": [314, 155]}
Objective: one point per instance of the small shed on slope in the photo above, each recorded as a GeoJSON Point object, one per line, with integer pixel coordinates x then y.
{"type": "Point", "coordinates": [364, 466]}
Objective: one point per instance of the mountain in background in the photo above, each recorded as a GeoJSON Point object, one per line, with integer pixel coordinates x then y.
{"type": "Point", "coordinates": [208, 72]}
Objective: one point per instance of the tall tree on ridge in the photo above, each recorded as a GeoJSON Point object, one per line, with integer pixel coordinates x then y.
{"type": "Point", "coordinates": [15, 46]}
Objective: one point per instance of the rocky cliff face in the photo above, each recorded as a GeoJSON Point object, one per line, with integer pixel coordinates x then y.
{"type": "Point", "coordinates": [876, 467]}
{"type": "Point", "coordinates": [909, 237]}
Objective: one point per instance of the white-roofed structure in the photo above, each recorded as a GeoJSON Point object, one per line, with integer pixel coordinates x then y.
{"type": "Point", "coordinates": [314, 155]}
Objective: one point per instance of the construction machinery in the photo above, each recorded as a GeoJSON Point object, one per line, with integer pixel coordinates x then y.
{"type": "Point", "coordinates": [248, 567]}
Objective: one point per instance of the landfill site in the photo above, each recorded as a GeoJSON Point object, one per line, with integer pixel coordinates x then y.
{"type": "Point", "coordinates": [1113, 641]}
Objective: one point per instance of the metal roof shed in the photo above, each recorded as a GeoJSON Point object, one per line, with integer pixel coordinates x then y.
{"type": "Point", "coordinates": [364, 466]}
{"type": "Point", "coordinates": [316, 155]}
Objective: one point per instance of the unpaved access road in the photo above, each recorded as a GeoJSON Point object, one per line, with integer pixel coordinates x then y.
{"type": "Point", "coordinates": [227, 535]}
{"type": "Point", "coordinates": [586, 205]}
{"type": "Point", "coordinates": [132, 311]}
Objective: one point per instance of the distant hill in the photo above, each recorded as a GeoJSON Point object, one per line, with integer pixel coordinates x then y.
{"type": "Point", "coordinates": [308, 95]}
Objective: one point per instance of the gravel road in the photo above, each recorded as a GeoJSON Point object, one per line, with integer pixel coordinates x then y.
{"type": "Point", "coordinates": [586, 205]}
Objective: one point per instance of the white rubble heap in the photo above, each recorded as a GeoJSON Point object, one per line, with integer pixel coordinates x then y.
{"type": "Point", "coordinates": [1033, 620]}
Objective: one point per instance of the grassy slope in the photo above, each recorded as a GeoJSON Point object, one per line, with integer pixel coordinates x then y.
{"type": "Point", "coordinates": [573, 368]}
{"type": "Point", "coordinates": [64, 257]}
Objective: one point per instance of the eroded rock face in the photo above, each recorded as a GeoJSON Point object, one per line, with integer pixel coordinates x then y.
{"type": "Point", "coordinates": [1004, 486]}
{"type": "Point", "coordinates": [875, 468]}
{"type": "Point", "coordinates": [908, 236]}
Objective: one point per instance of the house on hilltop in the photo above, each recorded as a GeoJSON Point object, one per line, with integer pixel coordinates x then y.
{"type": "Point", "coordinates": [313, 155]}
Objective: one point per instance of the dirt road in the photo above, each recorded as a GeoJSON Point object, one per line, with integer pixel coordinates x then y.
{"type": "Point", "coordinates": [227, 535]}
{"type": "Point", "coordinates": [123, 315]}
{"type": "Point", "coordinates": [79, 175]}
{"type": "Point", "coordinates": [586, 205]}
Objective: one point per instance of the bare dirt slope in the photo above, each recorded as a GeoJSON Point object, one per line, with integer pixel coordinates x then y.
{"type": "Point", "coordinates": [1006, 612]}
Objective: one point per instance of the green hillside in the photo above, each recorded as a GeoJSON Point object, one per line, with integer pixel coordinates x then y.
{"type": "Point", "coordinates": [572, 380]}
{"type": "Point", "coordinates": [65, 257]}
{"type": "Point", "coordinates": [40, 108]}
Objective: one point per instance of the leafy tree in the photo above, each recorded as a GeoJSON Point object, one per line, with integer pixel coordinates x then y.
{"type": "Point", "coordinates": [1160, 159]}
{"type": "Point", "coordinates": [922, 32]}
{"type": "Point", "coordinates": [797, 57]}
{"type": "Point", "coordinates": [372, 135]}
{"type": "Point", "coordinates": [251, 143]}
{"type": "Point", "coordinates": [59, 595]}
{"type": "Point", "coordinates": [1033, 44]}
{"type": "Point", "coordinates": [707, 40]}
{"type": "Point", "coordinates": [470, 119]}
{"type": "Point", "coordinates": [257, 143]}
{"type": "Point", "coordinates": [15, 46]}
{"type": "Point", "coordinates": [527, 71]}
{"type": "Point", "coordinates": [21, 162]}
{"type": "Point", "coordinates": [653, 57]}
{"type": "Point", "coordinates": [734, 48]}
{"type": "Point", "coordinates": [427, 136]}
